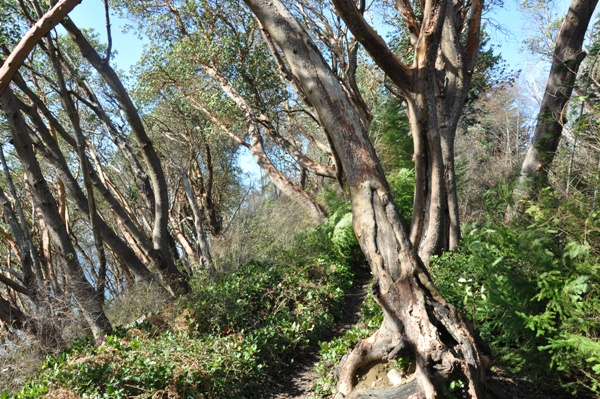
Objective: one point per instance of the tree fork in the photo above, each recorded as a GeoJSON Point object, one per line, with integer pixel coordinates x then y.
{"type": "Point", "coordinates": [418, 319]}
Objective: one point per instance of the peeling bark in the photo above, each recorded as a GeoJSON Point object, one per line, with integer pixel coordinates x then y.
{"type": "Point", "coordinates": [418, 323]}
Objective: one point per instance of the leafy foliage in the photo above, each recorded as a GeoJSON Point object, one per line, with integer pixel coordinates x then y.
{"type": "Point", "coordinates": [530, 288]}
{"type": "Point", "coordinates": [402, 183]}
{"type": "Point", "coordinates": [390, 132]}
{"type": "Point", "coordinates": [234, 332]}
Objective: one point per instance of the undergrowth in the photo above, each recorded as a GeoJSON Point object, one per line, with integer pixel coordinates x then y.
{"type": "Point", "coordinates": [531, 289]}
{"type": "Point", "coordinates": [226, 339]}
{"type": "Point", "coordinates": [333, 351]}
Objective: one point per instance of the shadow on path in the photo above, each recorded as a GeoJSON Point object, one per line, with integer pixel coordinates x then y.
{"type": "Point", "coordinates": [297, 380]}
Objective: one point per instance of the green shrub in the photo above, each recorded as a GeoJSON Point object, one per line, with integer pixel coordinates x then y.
{"type": "Point", "coordinates": [530, 288]}
{"type": "Point", "coordinates": [224, 340]}
{"type": "Point", "coordinates": [402, 186]}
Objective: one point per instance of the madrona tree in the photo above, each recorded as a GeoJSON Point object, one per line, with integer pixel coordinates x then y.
{"type": "Point", "coordinates": [215, 57]}
{"type": "Point", "coordinates": [566, 59]}
{"type": "Point", "coordinates": [46, 110]}
{"type": "Point", "coordinates": [445, 39]}
{"type": "Point", "coordinates": [418, 322]}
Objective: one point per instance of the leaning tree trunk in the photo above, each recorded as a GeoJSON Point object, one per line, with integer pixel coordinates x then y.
{"type": "Point", "coordinates": [160, 234]}
{"type": "Point", "coordinates": [86, 297]}
{"type": "Point", "coordinates": [54, 155]}
{"type": "Point", "coordinates": [288, 188]}
{"type": "Point", "coordinates": [38, 30]}
{"type": "Point", "coordinates": [418, 323]}
{"type": "Point", "coordinates": [203, 247]}
{"type": "Point", "coordinates": [553, 110]}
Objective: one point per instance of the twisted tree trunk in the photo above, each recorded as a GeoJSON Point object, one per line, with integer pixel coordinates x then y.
{"type": "Point", "coordinates": [418, 323]}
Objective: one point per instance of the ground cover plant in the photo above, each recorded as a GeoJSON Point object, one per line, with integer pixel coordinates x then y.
{"type": "Point", "coordinates": [530, 287]}
{"type": "Point", "coordinates": [226, 339]}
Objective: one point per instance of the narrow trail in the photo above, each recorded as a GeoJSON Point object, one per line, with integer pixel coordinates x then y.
{"type": "Point", "coordinates": [298, 380]}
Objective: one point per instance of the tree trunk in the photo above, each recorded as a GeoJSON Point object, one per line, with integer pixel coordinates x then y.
{"type": "Point", "coordinates": [553, 111]}
{"type": "Point", "coordinates": [35, 34]}
{"type": "Point", "coordinates": [281, 182]}
{"type": "Point", "coordinates": [202, 239]}
{"type": "Point", "coordinates": [161, 254]}
{"type": "Point", "coordinates": [418, 323]}
{"type": "Point", "coordinates": [435, 89]}
{"type": "Point", "coordinates": [30, 262]}
{"type": "Point", "coordinates": [54, 155]}
{"type": "Point", "coordinates": [93, 216]}
{"type": "Point", "coordinates": [14, 317]}
{"type": "Point", "coordinates": [213, 215]}
{"type": "Point", "coordinates": [87, 299]}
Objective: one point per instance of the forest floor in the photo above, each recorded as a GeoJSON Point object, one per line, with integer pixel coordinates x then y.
{"type": "Point", "coordinates": [300, 377]}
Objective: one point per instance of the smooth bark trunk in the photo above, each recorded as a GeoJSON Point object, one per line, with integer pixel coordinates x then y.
{"type": "Point", "coordinates": [36, 33]}
{"type": "Point", "coordinates": [86, 297]}
{"type": "Point", "coordinates": [161, 251]}
{"type": "Point", "coordinates": [566, 59]}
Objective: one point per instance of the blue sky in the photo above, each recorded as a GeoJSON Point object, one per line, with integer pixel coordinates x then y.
{"type": "Point", "coordinates": [129, 48]}
{"type": "Point", "coordinates": [90, 14]}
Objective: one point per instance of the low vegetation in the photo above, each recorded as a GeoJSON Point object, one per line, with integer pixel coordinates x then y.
{"type": "Point", "coordinates": [235, 332]}
{"type": "Point", "coordinates": [529, 287]}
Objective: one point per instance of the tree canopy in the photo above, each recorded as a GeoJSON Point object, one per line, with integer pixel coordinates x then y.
{"type": "Point", "coordinates": [396, 156]}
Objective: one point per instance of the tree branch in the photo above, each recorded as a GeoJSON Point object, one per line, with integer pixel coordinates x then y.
{"type": "Point", "coordinates": [474, 33]}
{"type": "Point", "coordinates": [412, 23]}
{"type": "Point", "coordinates": [28, 42]}
{"type": "Point", "coordinates": [397, 71]}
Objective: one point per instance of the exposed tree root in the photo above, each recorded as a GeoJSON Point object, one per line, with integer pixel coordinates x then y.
{"type": "Point", "coordinates": [425, 330]}
{"type": "Point", "coordinates": [377, 347]}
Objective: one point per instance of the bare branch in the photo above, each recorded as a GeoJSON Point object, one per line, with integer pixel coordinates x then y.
{"type": "Point", "coordinates": [397, 71]}
{"type": "Point", "coordinates": [474, 33]}
{"type": "Point", "coordinates": [108, 32]}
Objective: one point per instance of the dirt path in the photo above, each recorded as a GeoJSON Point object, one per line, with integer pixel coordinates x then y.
{"type": "Point", "coordinates": [299, 378]}
{"type": "Point", "coordinates": [302, 375]}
